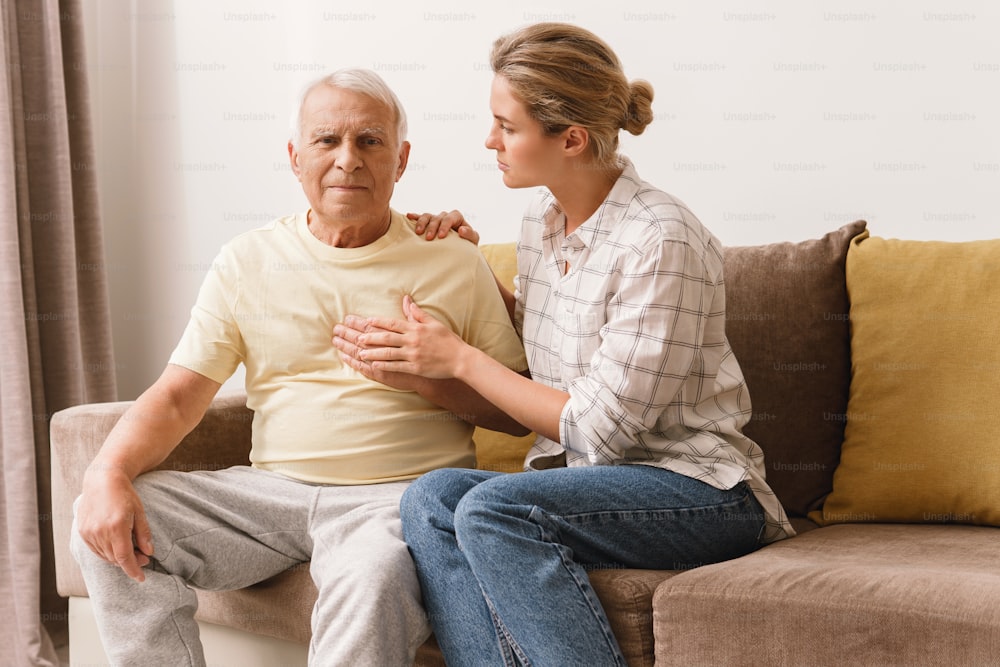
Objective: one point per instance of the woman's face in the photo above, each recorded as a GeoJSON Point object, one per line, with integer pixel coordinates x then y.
{"type": "Point", "coordinates": [525, 154]}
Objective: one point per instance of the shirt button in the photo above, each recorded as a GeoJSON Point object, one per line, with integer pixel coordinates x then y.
{"type": "Point", "coordinates": [572, 246]}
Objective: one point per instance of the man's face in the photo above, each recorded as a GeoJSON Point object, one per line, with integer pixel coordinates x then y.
{"type": "Point", "coordinates": [348, 157]}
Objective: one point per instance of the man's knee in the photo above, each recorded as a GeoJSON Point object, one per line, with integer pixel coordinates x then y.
{"type": "Point", "coordinates": [77, 547]}
{"type": "Point", "coordinates": [156, 482]}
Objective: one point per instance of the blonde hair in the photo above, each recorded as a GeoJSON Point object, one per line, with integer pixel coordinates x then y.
{"type": "Point", "coordinates": [566, 75]}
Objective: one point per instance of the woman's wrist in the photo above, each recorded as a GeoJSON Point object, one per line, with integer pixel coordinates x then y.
{"type": "Point", "coordinates": [466, 361]}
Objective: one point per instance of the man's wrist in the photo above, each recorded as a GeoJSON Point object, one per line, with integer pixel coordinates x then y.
{"type": "Point", "coordinates": [106, 469]}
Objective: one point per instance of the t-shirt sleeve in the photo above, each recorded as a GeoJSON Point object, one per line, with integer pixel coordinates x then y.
{"type": "Point", "coordinates": [489, 327]}
{"type": "Point", "coordinates": [211, 344]}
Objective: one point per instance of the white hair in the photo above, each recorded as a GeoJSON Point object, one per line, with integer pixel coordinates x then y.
{"type": "Point", "coordinates": [359, 80]}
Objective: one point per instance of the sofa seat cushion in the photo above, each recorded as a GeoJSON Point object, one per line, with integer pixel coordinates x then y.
{"type": "Point", "coordinates": [627, 598]}
{"type": "Point", "coordinates": [851, 594]}
{"type": "Point", "coordinates": [277, 607]}
{"type": "Point", "coordinates": [281, 607]}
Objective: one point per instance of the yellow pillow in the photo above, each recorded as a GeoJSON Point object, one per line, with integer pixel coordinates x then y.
{"type": "Point", "coordinates": [922, 439]}
{"type": "Point", "coordinates": [501, 452]}
{"type": "Point", "coordinates": [502, 258]}
{"type": "Point", "coordinates": [494, 450]}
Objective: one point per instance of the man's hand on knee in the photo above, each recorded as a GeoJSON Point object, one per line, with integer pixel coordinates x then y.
{"type": "Point", "coordinates": [112, 522]}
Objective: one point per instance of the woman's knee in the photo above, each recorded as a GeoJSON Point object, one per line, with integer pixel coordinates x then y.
{"type": "Point", "coordinates": [417, 501]}
{"type": "Point", "coordinates": [488, 506]}
{"type": "Point", "coordinates": [437, 491]}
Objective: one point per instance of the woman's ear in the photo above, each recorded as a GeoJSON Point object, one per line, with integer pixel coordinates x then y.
{"type": "Point", "coordinates": [576, 140]}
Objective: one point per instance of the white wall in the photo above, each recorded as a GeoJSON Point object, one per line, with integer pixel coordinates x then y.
{"type": "Point", "coordinates": [775, 121]}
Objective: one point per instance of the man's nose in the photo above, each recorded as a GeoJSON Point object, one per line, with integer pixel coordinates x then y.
{"type": "Point", "coordinates": [348, 157]}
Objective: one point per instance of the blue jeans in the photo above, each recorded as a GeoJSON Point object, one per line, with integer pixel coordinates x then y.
{"type": "Point", "coordinates": [503, 558]}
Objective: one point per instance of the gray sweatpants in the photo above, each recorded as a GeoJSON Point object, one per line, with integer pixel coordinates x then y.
{"type": "Point", "coordinates": [231, 528]}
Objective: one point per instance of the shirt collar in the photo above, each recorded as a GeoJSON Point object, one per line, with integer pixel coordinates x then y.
{"type": "Point", "coordinates": [598, 226]}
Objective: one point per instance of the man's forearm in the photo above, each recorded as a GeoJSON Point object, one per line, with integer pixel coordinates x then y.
{"type": "Point", "coordinates": [155, 423]}
{"type": "Point", "coordinates": [143, 437]}
{"type": "Point", "coordinates": [469, 405]}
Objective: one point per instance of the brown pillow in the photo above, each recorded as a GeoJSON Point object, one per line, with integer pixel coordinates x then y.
{"type": "Point", "coordinates": [787, 321]}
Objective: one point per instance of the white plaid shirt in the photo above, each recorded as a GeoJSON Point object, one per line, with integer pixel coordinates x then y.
{"type": "Point", "coordinates": [635, 333]}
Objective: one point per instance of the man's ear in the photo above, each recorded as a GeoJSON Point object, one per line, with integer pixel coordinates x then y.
{"type": "Point", "coordinates": [576, 140]}
{"type": "Point", "coordinates": [404, 158]}
{"type": "Point", "coordinates": [293, 158]}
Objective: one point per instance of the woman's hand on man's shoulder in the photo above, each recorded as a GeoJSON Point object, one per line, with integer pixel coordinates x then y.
{"type": "Point", "coordinates": [436, 226]}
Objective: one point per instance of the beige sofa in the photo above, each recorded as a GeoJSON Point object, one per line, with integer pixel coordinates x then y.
{"type": "Point", "coordinates": [862, 379]}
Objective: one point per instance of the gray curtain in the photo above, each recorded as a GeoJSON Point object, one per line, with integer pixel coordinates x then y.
{"type": "Point", "coordinates": [55, 338]}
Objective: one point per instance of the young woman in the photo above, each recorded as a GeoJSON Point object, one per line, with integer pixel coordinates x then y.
{"type": "Point", "coordinates": [635, 395]}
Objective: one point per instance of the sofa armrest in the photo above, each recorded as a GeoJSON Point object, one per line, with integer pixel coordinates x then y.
{"type": "Point", "coordinates": [222, 439]}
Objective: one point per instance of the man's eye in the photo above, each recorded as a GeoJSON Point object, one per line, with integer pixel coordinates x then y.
{"type": "Point", "coordinates": [371, 141]}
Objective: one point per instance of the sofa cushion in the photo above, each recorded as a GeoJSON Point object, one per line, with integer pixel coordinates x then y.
{"type": "Point", "coordinates": [494, 450]}
{"type": "Point", "coordinates": [921, 442]}
{"type": "Point", "coordinates": [863, 594]}
{"type": "Point", "coordinates": [627, 598]}
{"type": "Point", "coordinates": [501, 452]}
{"type": "Point", "coordinates": [502, 258]}
{"type": "Point", "coordinates": [786, 319]}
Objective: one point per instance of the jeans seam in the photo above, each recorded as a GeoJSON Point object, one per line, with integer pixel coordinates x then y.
{"type": "Point", "coordinates": [656, 514]}
{"type": "Point", "coordinates": [585, 589]}
{"type": "Point", "coordinates": [510, 652]}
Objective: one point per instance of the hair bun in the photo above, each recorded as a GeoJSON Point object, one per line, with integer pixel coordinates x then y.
{"type": "Point", "coordinates": [640, 107]}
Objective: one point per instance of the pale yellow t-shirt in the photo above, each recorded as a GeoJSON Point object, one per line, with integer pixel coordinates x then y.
{"type": "Point", "coordinates": [271, 300]}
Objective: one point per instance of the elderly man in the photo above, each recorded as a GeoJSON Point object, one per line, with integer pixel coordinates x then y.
{"type": "Point", "coordinates": [333, 450]}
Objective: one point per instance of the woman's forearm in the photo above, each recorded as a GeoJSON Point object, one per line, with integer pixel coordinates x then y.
{"type": "Point", "coordinates": [535, 405]}
{"type": "Point", "coordinates": [468, 404]}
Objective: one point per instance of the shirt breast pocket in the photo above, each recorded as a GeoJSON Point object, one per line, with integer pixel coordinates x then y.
{"type": "Point", "coordinates": [577, 337]}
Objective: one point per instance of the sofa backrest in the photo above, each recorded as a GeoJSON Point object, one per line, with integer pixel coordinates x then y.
{"type": "Point", "coordinates": [787, 322]}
